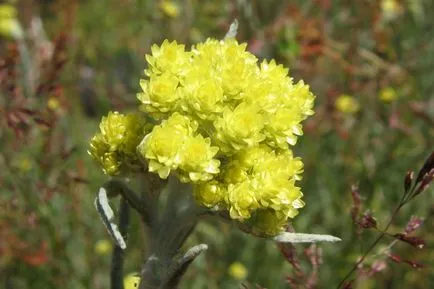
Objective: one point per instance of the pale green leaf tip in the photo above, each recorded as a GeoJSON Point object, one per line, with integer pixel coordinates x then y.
{"type": "Point", "coordinates": [233, 29]}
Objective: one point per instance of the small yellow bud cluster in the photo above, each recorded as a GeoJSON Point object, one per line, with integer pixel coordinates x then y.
{"type": "Point", "coordinates": [114, 147]}
{"type": "Point", "coordinates": [221, 122]}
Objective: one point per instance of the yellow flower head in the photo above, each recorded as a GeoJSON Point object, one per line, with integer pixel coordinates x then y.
{"type": "Point", "coordinates": [238, 271]}
{"type": "Point", "coordinates": [159, 93]}
{"type": "Point", "coordinates": [23, 163]}
{"type": "Point", "coordinates": [103, 247]}
{"type": "Point", "coordinates": [9, 25]}
{"type": "Point", "coordinates": [391, 9]}
{"type": "Point", "coordinates": [53, 103]}
{"type": "Point", "coordinates": [162, 147]}
{"type": "Point", "coordinates": [221, 121]}
{"type": "Point", "coordinates": [131, 281]}
{"type": "Point", "coordinates": [205, 96]}
{"type": "Point", "coordinates": [7, 11]}
{"type": "Point", "coordinates": [347, 104]}
{"type": "Point", "coordinates": [388, 94]}
{"type": "Point", "coordinates": [114, 147]}
{"type": "Point", "coordinates": [240, 128]}
{"type": "Point", "coordinates": [210, 194]}
{"type": "Point", "coordinates": [170, 57]}
{"type": "Point", "coordinates": [241, 198]}
{"type": "Point", "coordinates": [169, 8]}
{"type": "Point", "coordinates": [197, 160]}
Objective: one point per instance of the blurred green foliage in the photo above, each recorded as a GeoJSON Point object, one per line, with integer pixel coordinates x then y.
{"type": "Point", "coordinates": [49, 228]}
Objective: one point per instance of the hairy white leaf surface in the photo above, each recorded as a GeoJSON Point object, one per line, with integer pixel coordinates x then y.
{"type": "Point", "coordinates": [287, 237]}
{"type": "Point", "coordinates": [107, 216]}
{"type": "Point", "coordinates": [233, 29]}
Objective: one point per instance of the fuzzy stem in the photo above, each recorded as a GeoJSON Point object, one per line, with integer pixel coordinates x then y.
{"type": "Point", "coordinates": [117, 272]}
{"type": "Point", "coordinates": [117, 186]}
{"type": "Point", "coordinates": [168, 233]}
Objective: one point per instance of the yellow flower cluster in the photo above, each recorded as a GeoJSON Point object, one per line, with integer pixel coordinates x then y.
{"type": "Point", "coordinates": [224, 123]}
{"type": "Point", "coordinates": [114, 147]}
{"type": "Point", "coordinates": [238, 271]}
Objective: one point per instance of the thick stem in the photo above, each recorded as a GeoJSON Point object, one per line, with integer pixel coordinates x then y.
{"type": "Point", "coordinates": [117, 272]}
{"type": "Point", "coordinates": [168, 234]}
{"type": "Point", "coordinates": [156, 269]}
{"type": "Point", "coordinates": [116, 186]}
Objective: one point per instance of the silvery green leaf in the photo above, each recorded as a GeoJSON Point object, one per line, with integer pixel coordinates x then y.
{"type": "Point", "coordinates": [192, 253]}
{"type": "Point", "coordinates": [107, 216]}
{"type": "Point", "coordinates": [287, 237]}
{"type": "Point", "coordinates": [232, 32]}
{"type": "Point", "coordinates": [181, 265]}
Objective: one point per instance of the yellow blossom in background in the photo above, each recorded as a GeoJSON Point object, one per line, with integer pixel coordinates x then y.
{"type": "Point", "coordinates": [221, 120]}
{"type": "Point", "coordinates": [103, 247]}
{"type": "Point", "coordinates": [23, 163]}
{"type": "Point", "coordinates": [388, 94]}
{"type": "Point", "coordinates": [131, 281]}
{"type": "Point", "coordinates": [9, 25]}
{"type": "Point", "coordinates": [391, 9]}
{"type": "Point", "coordinates": [53, 103]}
{"type": "Point", "coordinates": [170, 8]}
{"type": "Point", "coordinates": [347, 104]}
{"type": "Point", "coordinates": [238, 271]}
{"type": "Point", "coordinates": [7, 11]}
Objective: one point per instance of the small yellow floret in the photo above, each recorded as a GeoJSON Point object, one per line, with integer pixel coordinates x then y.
{"type": "Point", "coordinates": [115, 145]}
{"type": "Point", "coordinates": [347, 104]}
{"type": "Point", "coordinates": [169, 8]}
{"type": "Point", "coordinates": [131, 281]}
{"type": "Point", "coordinates": [240, 128]}
{"type": "Point", "coordinates": [170, 57]}
{"type": "Point", "coordinates": [162, 147]}
{"type": "Point", "coordinates": [103, 247]}
{"type": "Point", "coordinates": [388, 94]}
{"type": "Point", "coordinates": [197, 162]}
{"type": "Point", "coordinates": [9, 25]}
{"type": "Point", "coordinates": [209, 194]}
{"type": "Point", "coordinates": [268, 223]}
{"type": "Point", "coordinates": [238, 271]}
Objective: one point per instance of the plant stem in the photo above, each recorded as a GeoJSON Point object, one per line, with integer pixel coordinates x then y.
{"type": "Point", "coordinates": [117, 272]}
{"type": "Point", "coordinates": [169, 232]}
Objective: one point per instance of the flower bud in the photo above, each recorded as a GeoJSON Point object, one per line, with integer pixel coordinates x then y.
{"type": "Point", "coordinates": [367, 221]}
{"type": "Point", "coordinates": [408, 180]}
{"type": "Point", "coordinates": [413, 241]}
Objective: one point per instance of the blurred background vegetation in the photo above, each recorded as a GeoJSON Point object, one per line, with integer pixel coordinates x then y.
{"type": "Point", "coordinates": [65, 63]}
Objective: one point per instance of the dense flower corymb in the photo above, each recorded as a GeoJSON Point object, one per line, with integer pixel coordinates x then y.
{"type": "Point", "coordinates": [222, 122]}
